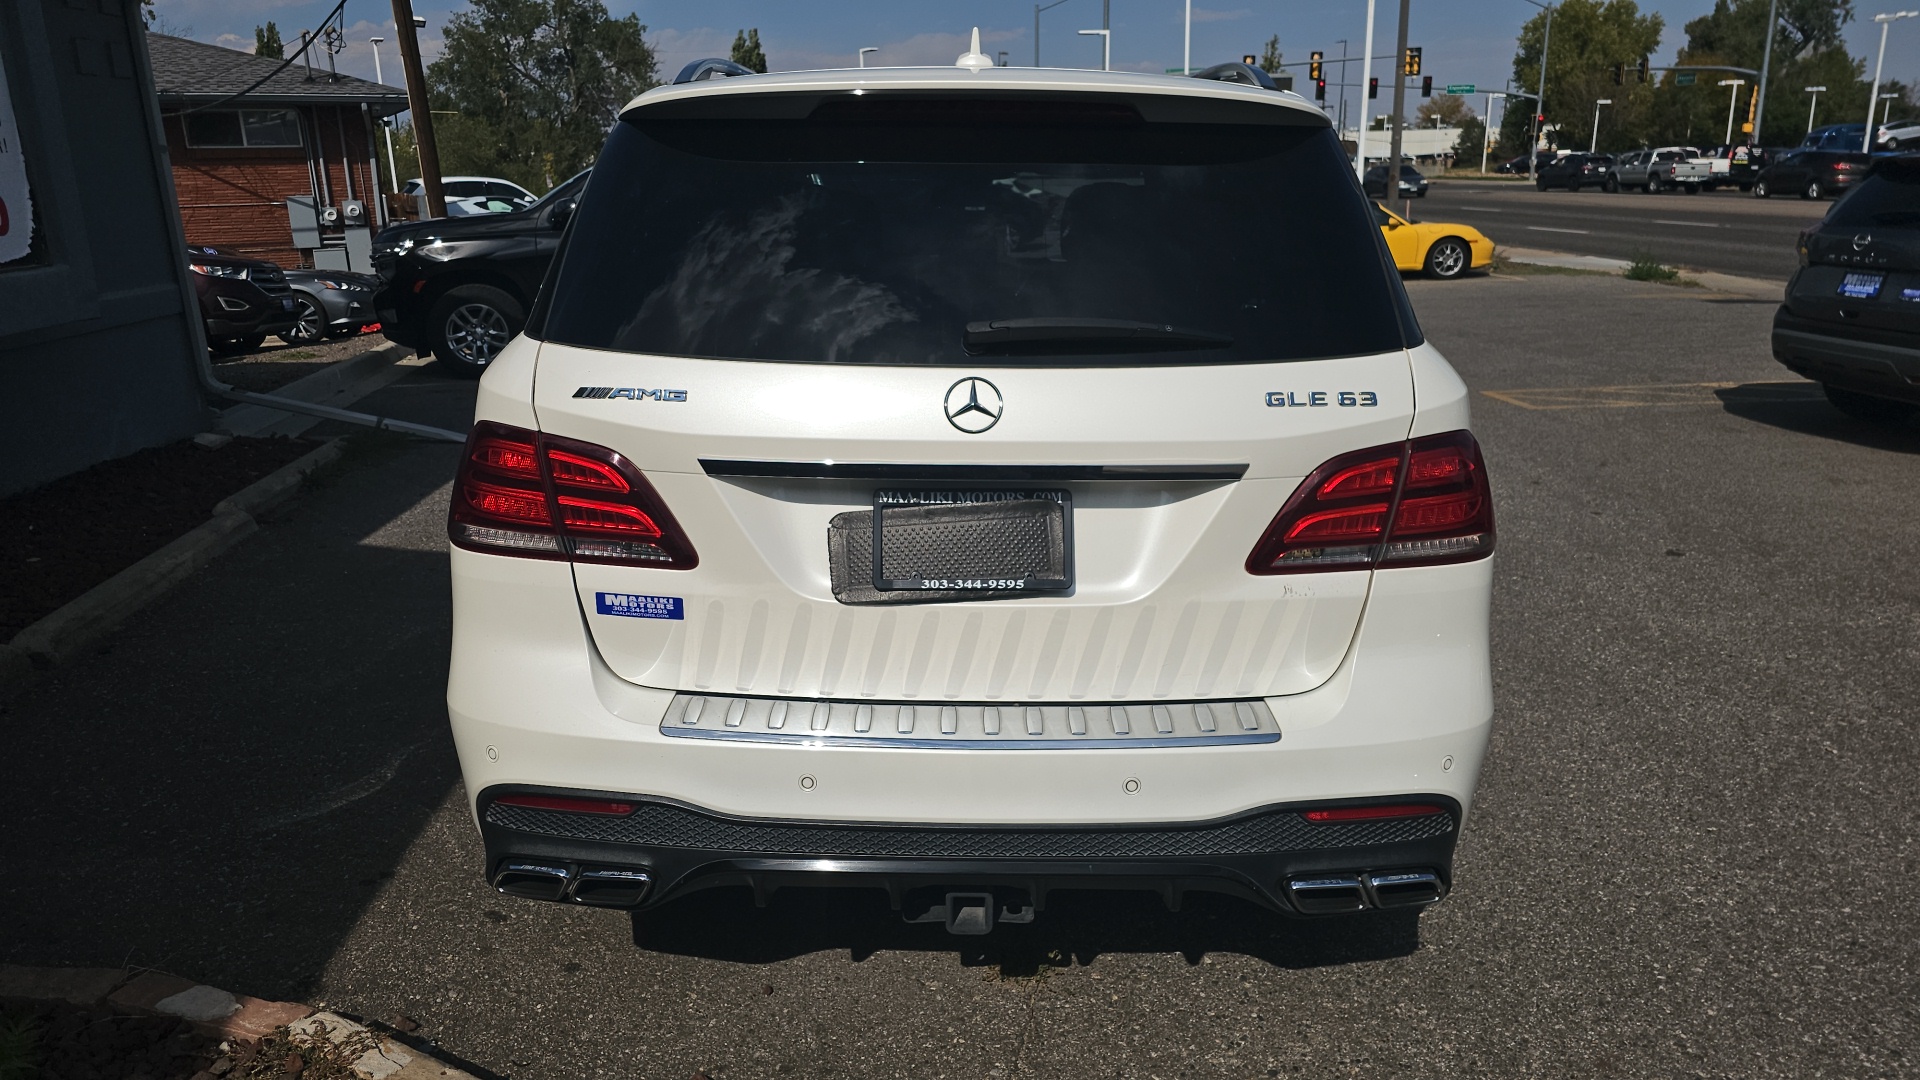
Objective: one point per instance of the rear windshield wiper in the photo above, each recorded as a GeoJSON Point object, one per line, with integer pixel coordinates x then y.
{"type": "Point", "coordinates": [1077, 335]}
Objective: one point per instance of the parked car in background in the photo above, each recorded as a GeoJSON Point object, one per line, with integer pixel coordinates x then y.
{"type": "Point", "coordinates": [1835, 137]}
{"type": "Point", "coordinates": [1814, 174]}
{"type": "Point", "coordinates": [1656, 169]}
{"type": "Point", "coordinates": [242, 300]}
{"type": "Point", "coordinates": [1434, 249]}
{"type": "Point", "coordinates": [1575, 171]}
{"type": "Point", "coordinates": [330, 303]}
{"type": "Point", "coordinates": [460, 288]}
{"type": "Point", "coordinates": [1735, 166]}
{"type": "Point", "coordinates": [469, 195]}
{"type": "Point", "coordinates": [1413, 184]}
{"type": "Point", "coordinates": [1898, 134]}
{"type": "Point", "coordinates": [1851, 320]}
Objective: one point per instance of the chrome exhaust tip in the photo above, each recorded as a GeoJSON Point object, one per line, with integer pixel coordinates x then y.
{"type": "Point", "coordinates": [1405, 888]}
{"type": "Point", "coordinates": [610, 886]}
{"type": "Point", "coordinates": [1328, 894]}
{"type": "Point", "coordinates": [531, 880]}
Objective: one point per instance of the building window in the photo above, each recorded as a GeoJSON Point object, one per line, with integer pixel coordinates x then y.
{"type": "Point", "coordinates": [243, 127]}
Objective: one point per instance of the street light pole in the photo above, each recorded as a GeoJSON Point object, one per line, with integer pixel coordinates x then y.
{"type": "Point", "coordinates": [1486, 126]}
{"type": "Point", "coordinates": [1366, 80]}
{"type": "Point", "coordinates": [1766, 64]}
{"type": "Point", "coordinates": [1873, 98]}
{"type": "Point", "coordinates": [1593, 145]}
{"type": "Point", "coordinates": [393, 174]}
{"type": "Point", "coordinates": [1341, 127]}
{"type": "Point", "coordinates": [1106, 46]}
{"type": "Point", "coordinates": [1733, 99]}
{"type": "Point", "coordinates": [1186, 50]}
{"type": "Point", "coordinates": [1816, 91]}
{"type": "Point", "coordinates": [865, 51]}
{"type": "Point", "coordinates": [1540, 99]}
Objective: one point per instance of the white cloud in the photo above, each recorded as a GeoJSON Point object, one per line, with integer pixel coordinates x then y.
{"type": "Point", "coordinates": [243, 42]}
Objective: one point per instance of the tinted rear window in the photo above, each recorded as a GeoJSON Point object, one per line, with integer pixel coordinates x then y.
{"type": "Point", "coordinates": [1888, 198]}
{"type": "Point", "coordinates": [875, 232]}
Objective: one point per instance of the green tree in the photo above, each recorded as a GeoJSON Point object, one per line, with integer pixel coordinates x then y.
{"type": "Point", "coordinates": [266, 42]}
{"type": "Point", "coordinates": [1807, 51]}
{"type": "Point", "coordinates": [747, 52]}
{"type": "Point", "coordinates": [1589, 38]}
{"type": "Point", "coordinates": [1270, 56]}
{"type": "Point", "coordinates": [530, 87]}
{"type": "Point", "coordinates": [1451, 110]}
{"type": "Point", "coordinates": [1468, 147]}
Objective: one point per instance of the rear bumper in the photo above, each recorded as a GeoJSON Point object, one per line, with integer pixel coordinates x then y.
{"type": "Point", "coordinates": [1404, 718]}
{"type": "Point", "coordinates": [1870, 367]}
{"type": "Point", "coordinates": [682, 849]}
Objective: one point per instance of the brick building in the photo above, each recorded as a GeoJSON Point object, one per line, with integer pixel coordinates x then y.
{"type": "Point", "coordinates": [300, 135]}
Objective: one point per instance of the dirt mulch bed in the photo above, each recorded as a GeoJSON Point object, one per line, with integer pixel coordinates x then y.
{"type": "Point", "coordinates": [71, 1042]}
{"type": "Point", "coordinates": [58, 1041]}
{"type": "Point", "coordinates": [60, 540]}
{"type": "Point", "coordinates": [276, 364]}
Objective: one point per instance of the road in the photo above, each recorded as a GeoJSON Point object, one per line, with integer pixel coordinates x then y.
{"type": "Point", "coordinates": [1689, 856]}
{"type": "Point", "coordinates": [1724, 230]}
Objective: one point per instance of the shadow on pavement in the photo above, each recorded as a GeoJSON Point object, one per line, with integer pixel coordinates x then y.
{"type": "Point", "coordinates": [1075, 928]}
{"type": "Point", "coordinates": [1802, 407]}
{"type": "Point", "coordinates": [222, 789]}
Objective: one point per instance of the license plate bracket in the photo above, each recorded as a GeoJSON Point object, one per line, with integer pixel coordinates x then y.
{"type": "Point", "coordinates": [973, 540]}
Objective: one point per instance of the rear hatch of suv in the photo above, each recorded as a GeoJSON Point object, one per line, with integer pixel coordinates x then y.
{"type": "Point", "coordinates": [790, 311]}
{"type": "Point", "coordinates": [1861, 276]}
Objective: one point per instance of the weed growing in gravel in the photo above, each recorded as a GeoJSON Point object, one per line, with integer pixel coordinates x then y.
{"type": "Point", "coordinates": [1647, 268]}
{"type": "Point", "coordinates": [19, 1048]}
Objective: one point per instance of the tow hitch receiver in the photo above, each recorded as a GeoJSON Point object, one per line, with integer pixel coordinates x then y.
{"type": "Point", "coordinates": [973, 913]}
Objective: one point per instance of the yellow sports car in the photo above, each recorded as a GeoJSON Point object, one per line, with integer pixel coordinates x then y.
{"type": "Point", "coordinates": [1441, 251]}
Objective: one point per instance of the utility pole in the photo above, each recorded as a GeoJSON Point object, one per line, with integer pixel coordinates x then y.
{"type": "Point", "coordinates": [1186, 48]}
{"type": "Point", "coordinates": [1399, 104]}
{"type": "Point", "coordinates": [1341, 127]}
{"type": "Point", "coordinates": [422, 110]}
{"type": "Point", "coordinates": [1766, 64]}
{"type": "Point", "coordinates": [1873, 96]}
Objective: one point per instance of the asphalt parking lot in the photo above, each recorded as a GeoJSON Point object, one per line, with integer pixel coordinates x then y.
{"type": "Point", "coordinates": [1687, 857]}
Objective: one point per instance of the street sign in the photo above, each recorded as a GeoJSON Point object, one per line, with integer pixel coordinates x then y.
{"type": "Point", "coordinates": [1461, 88]}
{"type": "Point", "coordinates": [1685, 78]}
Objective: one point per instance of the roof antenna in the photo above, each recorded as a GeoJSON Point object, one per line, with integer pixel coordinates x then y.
{"type": "Point", "coordinates": [973, 59]}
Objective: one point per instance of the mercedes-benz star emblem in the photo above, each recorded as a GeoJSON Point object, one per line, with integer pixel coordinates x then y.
{"type": "Point", "coordinates": [974, 405]}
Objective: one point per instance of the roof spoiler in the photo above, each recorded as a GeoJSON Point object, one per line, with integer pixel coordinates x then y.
{"type": "Point", "coordinates": [711, 68]}
{"type": "Point", "coordinates": [1244, 74]}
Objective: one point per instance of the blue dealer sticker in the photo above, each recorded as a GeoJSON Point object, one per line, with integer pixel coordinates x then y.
{"type": "Point", "coordinates": [639, 607]}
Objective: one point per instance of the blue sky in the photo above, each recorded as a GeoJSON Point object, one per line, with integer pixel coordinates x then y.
{"type": "Point", "coordinates": [1464, 41]}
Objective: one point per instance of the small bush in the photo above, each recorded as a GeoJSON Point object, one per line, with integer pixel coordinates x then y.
{"type": "Point", "coordinates": [1647, 268]}
{"type": "Point", "coordinates": [19, 1048]}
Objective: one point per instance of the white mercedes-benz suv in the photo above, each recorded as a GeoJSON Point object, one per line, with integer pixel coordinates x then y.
{"type": "Point", "coordinates": [972, 482]}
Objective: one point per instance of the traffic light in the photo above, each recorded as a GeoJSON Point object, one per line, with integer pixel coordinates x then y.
{"type": "Point", "coordinates": [1373, 88]}
{"type": "Point", "coordinates": [1319, 89]}
{"type": "Point", "coordinates": [1640, 73]}
{"type": "Point", "coordinates": [1411, 65]}
{"type": "Point", "coordinates": [1540, 118]}
{"type": "Point", "coordinates": [1619, 74]}
{"type": "Point", "coordinates": [1313, 67]}
{"type": "Point", "coordinates": [1426, 86]}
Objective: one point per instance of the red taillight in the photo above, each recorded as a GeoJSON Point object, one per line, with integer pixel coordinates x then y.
{"type": "Point", "coordinates": [1433, 490]}
{"type": "Point", "coordinates": [567, 803]}
{"type": "Point", "coordinates": [1369, 813]}
{"type": "Point", "coordinates": [515, 484]}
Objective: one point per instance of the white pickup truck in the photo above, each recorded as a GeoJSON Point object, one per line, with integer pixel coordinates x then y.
{"type": "Point", "coordinates": [1661, 169]}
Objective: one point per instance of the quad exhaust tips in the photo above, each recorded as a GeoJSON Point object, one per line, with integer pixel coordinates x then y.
{"type": "Point", "coordinates": [596, 886]}
{"type": "Point", "coordinates": [1333, 894]}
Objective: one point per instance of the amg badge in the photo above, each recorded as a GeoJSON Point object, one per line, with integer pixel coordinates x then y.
{"type": "Point", "coordinates": [633, 393]}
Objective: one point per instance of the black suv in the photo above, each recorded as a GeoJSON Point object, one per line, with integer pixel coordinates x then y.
{"type": "Point", "coordinates": [1852, 317]}
{"type": "Point", "coordinates": [1575, 171]}
{"type": "Point", "coordinates": [242, 300]}
{"type": "Point", "coordinates": [460, 287]}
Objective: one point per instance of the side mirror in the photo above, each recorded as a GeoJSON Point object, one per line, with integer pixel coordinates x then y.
{"type": "Point", "coordinates": [1393, 223]}
{"type": "Point", "coordinates": [561, 214]}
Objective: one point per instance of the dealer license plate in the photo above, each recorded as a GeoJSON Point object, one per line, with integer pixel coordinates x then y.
{"type": "Point", "coordinates": [1861, 286]}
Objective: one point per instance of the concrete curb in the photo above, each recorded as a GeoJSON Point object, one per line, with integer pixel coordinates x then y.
{"type": "Point", "coordinates": [218, 1013]}
{"type": "Point", "coordinates": [322, 387]}
{"type": "Point", "coordinates": [83, 621]}
{"type": "Point", "coordinates": [1713, 281]}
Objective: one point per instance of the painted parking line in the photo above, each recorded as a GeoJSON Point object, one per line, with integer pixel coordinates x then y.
{"type": "Point", "coordinates": [1689, 224]}
{"type": "Point", "coordinates": [1654, 394]}
{"type": "Point", "coordinates": [1547, 228]}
